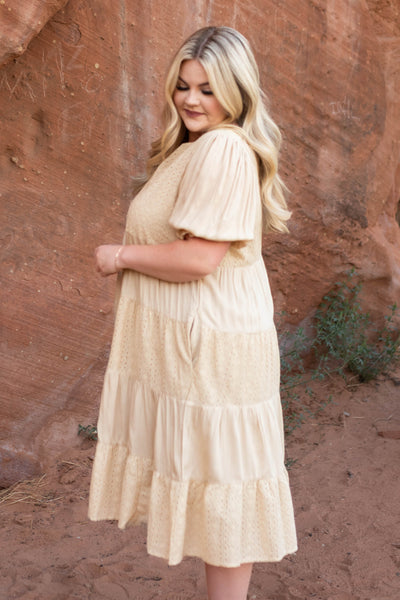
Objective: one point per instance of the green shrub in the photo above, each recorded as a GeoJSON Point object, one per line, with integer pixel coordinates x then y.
{"type": "Point", "coordinates": [346, 338]}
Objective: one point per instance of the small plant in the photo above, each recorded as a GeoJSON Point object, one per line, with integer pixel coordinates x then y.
{"type": "Point", "coordinates": [345, 335]}
{"type": "Point", "coordinates": [88, 431]}
{"type": "Point", "coordinates": [289, 462]}
{"type": "Point", "coordinates": [295, 379]}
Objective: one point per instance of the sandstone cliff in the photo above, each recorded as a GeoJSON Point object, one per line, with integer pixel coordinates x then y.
{"type": "Point", "coordinates": [79, 106]}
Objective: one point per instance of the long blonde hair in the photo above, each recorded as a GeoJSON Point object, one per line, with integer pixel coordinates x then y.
{"type": "Point", "coordinates": [234, 79]}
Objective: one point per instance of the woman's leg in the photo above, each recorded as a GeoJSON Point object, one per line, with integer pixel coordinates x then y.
{"type": "Point", "coordinates": [228, 584]}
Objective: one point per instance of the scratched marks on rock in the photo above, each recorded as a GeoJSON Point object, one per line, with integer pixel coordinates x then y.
{"type": "Point", "coordinates": [69, 72]}
{"type": "Point", "coordinates": [344, 109]}
{"type": "Point", "coordinates": [62, 70]}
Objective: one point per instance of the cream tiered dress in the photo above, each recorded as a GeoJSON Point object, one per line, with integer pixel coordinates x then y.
{"type": "Point", "coordinates": [190, 425]}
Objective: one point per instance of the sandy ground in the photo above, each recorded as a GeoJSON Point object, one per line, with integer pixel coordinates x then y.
{"type": "Point", "coordinates": [345, 477]}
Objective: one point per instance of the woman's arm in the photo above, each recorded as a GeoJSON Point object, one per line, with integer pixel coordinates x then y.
{"type": "Point", "coordinates": [179, 261]}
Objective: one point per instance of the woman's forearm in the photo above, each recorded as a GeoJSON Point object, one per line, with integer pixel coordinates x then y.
{"type": "Point", "coordinates": [179, 261]}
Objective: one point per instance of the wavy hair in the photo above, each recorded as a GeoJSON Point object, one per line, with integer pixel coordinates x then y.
{"type": "Point", "coordinates": [234, 79]}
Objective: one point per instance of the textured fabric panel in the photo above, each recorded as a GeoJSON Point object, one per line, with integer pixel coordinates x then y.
{"type": "Point", "coordinates": [152, 348]}
{"type": "Point", "coordinates": [247, 374]}
{"type": "Point", "coordinates": [149, 212]}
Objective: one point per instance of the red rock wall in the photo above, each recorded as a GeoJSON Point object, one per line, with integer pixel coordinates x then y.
{"type": "Point", "coordinates": [78, 110]}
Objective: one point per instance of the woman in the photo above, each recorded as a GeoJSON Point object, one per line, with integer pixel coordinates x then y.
{"type": "Point", "coordinates": [190, 426]}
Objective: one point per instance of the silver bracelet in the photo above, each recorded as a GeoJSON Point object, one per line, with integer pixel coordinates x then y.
{"type": "Point", "coordinates": [116, 258]}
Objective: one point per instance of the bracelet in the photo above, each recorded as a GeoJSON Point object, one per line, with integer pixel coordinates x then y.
{"type": "Point", "coordinates": [116, 258]}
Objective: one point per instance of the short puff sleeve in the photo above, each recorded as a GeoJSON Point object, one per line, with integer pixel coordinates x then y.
{"type": "Point", "coordinates": [218, 195]}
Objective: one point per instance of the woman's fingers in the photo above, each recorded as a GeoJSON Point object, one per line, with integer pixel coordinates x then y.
{"type": "Point", "coordinates": [104, 259]}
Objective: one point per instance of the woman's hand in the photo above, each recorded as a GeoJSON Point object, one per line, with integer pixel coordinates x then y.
{"type": "Point", "coordinates": [105, 259]}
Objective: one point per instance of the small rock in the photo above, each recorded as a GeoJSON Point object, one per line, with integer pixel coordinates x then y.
{"type": "Point", "coordinates": [390, 434]}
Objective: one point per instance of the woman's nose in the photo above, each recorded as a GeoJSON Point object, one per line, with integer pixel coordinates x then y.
{"type": "Point", "coordinates": [192, 97]}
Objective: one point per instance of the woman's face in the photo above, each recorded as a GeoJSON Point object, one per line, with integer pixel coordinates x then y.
{"type": "Point", "coordinates": [197, 106]}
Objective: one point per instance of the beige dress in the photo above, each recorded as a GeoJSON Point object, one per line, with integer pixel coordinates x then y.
{"type": "Point", "coordinates": [190, 425]}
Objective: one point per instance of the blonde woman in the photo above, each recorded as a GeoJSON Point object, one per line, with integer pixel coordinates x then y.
{"type": "Point", "coordinates": [190, 425]}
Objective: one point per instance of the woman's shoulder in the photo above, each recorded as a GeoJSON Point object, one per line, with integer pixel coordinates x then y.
{"type": "Point", "coordinates": [231, 134]}
{"type": "Point", "coordinates": [219, 154]}
{"type": "Point", "coordinates": [227, 140]}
